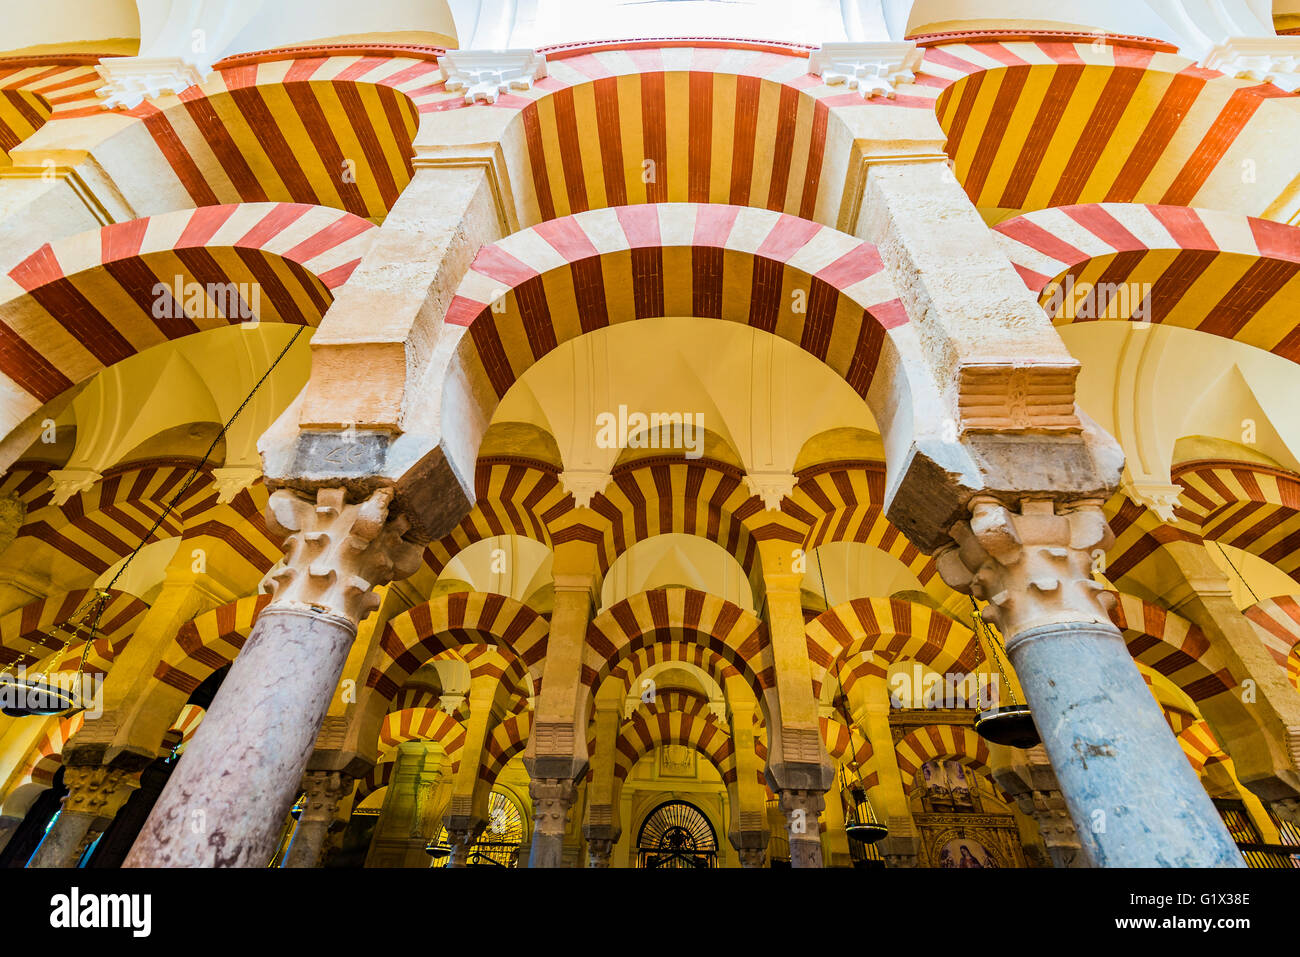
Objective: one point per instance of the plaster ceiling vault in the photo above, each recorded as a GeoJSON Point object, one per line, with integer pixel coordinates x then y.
{"type": "Point", "coordinates": [492, 257]}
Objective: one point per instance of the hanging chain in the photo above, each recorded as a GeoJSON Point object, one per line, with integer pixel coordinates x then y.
{"type": "Point", "coordinates": [982, 627]}
{"type": "Point", "coordinates": [93, 608]}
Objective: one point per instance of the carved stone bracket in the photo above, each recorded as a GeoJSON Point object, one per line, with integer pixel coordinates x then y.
{"type": "Point", "coordinates": [70, 482]}
{"type": "Point", "coordinates": [1160, 497]}
{"type": "Point", "coordinates": [232, 480]}
{"type": "Point", "coordinates": [771, 487]}
{"type": "Point", "coordinates": [1033, 567]}
{"type": "Point", "coordinates": [483, 74]}
{"type": "Point", "coordinates": [336, 553]}
{"type": "Point", "coordinates": [872, 69]}
{"type": "Point", "coordinates": [1273, 60]}
{"type": "Point", "coordinates": [584, 484]}
{"type": "Point", "coordinates": [129, 81]}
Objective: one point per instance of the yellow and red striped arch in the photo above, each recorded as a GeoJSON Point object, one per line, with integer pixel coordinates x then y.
{"type": "Point", "coordinates": [1055, 123]}
{"type": "Point", "coordinates": [32, 89]}
{"type": "Point", "coordinates": [27, 635]}
{"type": "Point", "coordinates": [1278, 622]}
{"type": "Point", "coordinates": [1252, 507]}
{"type": "Point", "coordinates": [940, 741]}
{"type": "Point", "coordinates": [209, 642]}
{"type": "Point", "coordinates": [1172, 646]}
{"type": "Point", "coordinates": [448, 622]}
{"type": "Point", "coordinates": [1221, 273]}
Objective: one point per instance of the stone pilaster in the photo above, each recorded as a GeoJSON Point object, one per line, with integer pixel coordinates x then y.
{"type": "Point", "coordinates": [1134, 799]}
{"type": "Point", "coordinates": [95, 795]}
{"type": "Point", "coordinates": [225, 804]}
{"type": "Point", "coordinates": [324, 790]}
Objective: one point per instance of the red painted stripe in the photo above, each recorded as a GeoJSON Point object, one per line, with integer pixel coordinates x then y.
{"type": "Point", "coordinates": [36, 270]}
{"type": "Point", "coordinates": [816, 153]}
{"type": "Point", "coordinates": [854, 266]}
{"type": "Point", "coordinates": [654, 133]}
{"type": "Point", "coordinates": [570, 143]}
{"type": "Point", "coordinates": [120, 240]}
{"type": "Point", "coordinates": [787, 118]}
{"type": "Point", "coordinates": [343, 229]}
{"type": "Point", "coordinates": [1028, 233]}
{"type": "Point", "coordinates": [610, 133]}
{"type": "Point", "coordinates": [1185, 226]}
{"type": "Point", "coordinates": [365, 128]}
{"type": "Point", "coordinates": [179, 159]}
{"type": "Point", "coordinates": [495, 263]}
{"type": "Point", "coordinates": [204, 223]}
{"type": "Point", "coordinates": [1010, 86]}
{"type": "Point", "coordinates": [1156, 136]}
{"type": "Point", "coordinates": [1276, 240]}
{"type": "Point", "coordinates": [699, 136]}
{"type": "Point", "coordinates": [745, 128]}
{"type": "Point", "coordinates": [787, 237]}
{"type": "Point", "coordinates": [1055, 101]}
{"type": "Point", "coordinates": [1104, 226]}
{"type": "Point", "coordinates": [1241, 106]}
{"type": "Point", "coordinates": [566, 237]}
{"type": "Point", "coordinates": [713, 224]}
{"type": "Point", "coordinates": [537, 161]}
{"type": "Point", "coordinates": [640, 225]}
{"type": "Point", "coordinates": [266, 128]}
{"type": "Point", "coordinates": [1099, 132]}
{"type": "Point", "coordinates": [321, 132]}
{"type": "Point", "coordinates": [272, 224]}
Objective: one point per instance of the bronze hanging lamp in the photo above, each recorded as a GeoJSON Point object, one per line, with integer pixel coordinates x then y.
{"type": "Point", "coordinates": [1010, 724]}
{"type": "Point", "coordinates": [31, 696]}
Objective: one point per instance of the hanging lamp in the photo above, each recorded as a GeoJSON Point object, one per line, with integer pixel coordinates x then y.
{"type": "Point", "coordinates": [40, 696]}
{"type": "Point", "coordinates": [1011, 724]}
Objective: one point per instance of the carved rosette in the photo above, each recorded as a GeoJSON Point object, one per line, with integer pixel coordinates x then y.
{"type": "Point", "coordinates": [336, 553]}
{"type": "Point", "coordinates": [1033, 567]}
{"type": "Point", "coordinates": [97, 790]}
{"type": "Point", "coordinates": [552, 798]}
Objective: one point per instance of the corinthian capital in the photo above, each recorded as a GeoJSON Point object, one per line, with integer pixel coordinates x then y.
{"type": "Point", "coordinates": [552, 799]}
{"type": "Point", "coordinates": [98, 790]}
{"type": "Point", "coordinates": [1033, 567]}
{"type": "Point", "coordinates": [335, 553]}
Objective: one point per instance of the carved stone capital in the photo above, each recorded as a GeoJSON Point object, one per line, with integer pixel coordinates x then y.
{"type": "Point", "coordinates": [552, 799]}
{"type": "Point", "coordinates": [1273, 60]}
{"type": "Point", "coordinates": [232, 480]}
{"type": "Point", "coordinates": [1160, 497]}
{"type": "Point", "coordinates": [802, 809]}
{"type": "Point", "coordinates": [98, 790]}
{"type": "Point", "coordinates": [1033, 567]}
{"type": "Point", "coordinates": [752, 856]}
{"type": "Point", "coordinates": [324, 789]}
{"type": "Point", "coordinates": [336, 553]}
{"type": "Point", "coordinates": [599, 850]}
{"type": "Point", "coordinates": [70, 482]}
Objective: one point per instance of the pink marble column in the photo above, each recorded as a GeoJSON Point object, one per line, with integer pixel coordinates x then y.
{"type": "Point", "coordinates": [225, 804]}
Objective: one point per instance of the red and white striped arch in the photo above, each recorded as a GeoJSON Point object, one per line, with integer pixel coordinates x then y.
{"type": "Point", "coordinates": [1032, 125]}
{"type": "Point", "coordinates": [80, 304]}
{"type": "Point", "coordinates": [561, 279]}
{"type": "Point", "coordinates": [1221, 273]}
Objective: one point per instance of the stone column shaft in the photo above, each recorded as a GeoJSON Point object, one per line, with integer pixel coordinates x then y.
{"type": "Point", "coordinates": [225, 804]}
{"type": "Point", "coordinates": [552, 800]}
{"type": "Point", "coordinates": [1134, 798]}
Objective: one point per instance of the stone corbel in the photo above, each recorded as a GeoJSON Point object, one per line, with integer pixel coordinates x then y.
{"type": "Point", "coordinates": [771, 487]}
{"type": "Point", "coordinates": [872, 69]}
{"type": "Point", "coordinates": [1160, 497]}
{"type": "Point", "coordinates": [336, 553]}
{"type": "Point", "coordinates": [1273, 60]}
{"type": "Point", "coordinates": [70, 482]}
{"type": "Point", "coordinates": [484, 74]}
{"type": "Point", "coordinates": [129, 81]}
{"type": "Point", "coordinates": [584, 484]}
{"type": "Point", "coordinates": [232, 480]}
